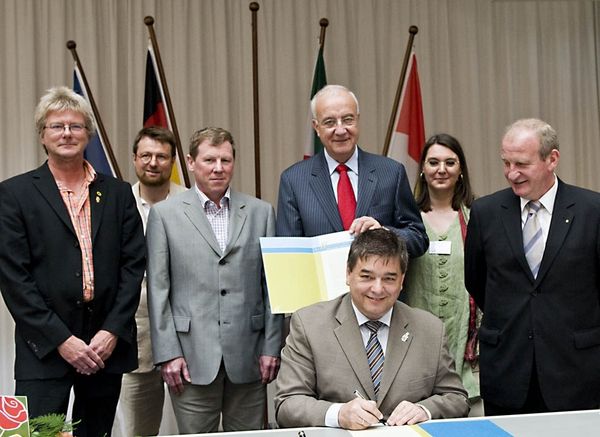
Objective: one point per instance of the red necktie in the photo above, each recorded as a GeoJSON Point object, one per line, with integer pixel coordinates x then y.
{"type": "Point", "coordinates": [346, 199]}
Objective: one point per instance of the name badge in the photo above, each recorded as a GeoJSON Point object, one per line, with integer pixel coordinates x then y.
{"type": "Point", "coordinates": [440, 247]}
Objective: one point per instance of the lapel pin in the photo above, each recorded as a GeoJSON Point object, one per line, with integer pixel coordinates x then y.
{"type": "Point", "coordinates": [98, 195]}
{"type": "Point", "coordinates": [97, 199]}
{"type": "Point", "coordinates": [405, 336]}
{"type": "Point", "coordinates": [566, 220]}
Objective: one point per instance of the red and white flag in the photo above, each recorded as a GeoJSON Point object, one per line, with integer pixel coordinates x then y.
{"type": "Point", "coordinates": [408, 137]}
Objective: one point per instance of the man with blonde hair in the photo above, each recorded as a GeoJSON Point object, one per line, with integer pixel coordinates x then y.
{"type": "Point", "coordinates": [73, 257]}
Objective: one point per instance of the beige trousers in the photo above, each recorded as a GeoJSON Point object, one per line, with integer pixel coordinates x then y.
{"type": "Point", "coordinates": [142, 398]}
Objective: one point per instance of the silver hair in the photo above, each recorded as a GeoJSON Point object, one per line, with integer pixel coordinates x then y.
{"type": "Point", "coordinates": [545, 133]}
{"type": "Point", "coordinates": [330, 90]}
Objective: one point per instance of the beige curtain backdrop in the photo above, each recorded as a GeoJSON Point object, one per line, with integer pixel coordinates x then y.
{"type": "Point", "coordinates": [482, 64]}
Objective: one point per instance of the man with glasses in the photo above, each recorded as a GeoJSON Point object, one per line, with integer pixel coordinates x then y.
{"type": "Point", "coordinates": [73, 257]}
{"type": "Point", "coordinates": [344, 187]}
{"type": "Point", "coordinates": [143, 393]}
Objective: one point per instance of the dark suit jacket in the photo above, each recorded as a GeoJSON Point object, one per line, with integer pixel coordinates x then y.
{"type": "Point", "coordinates": [40, 271]}
{"type": "Point", "coordinates": [555, 317]}
{"type": "Point", "coordinates": [307, 206]}
{"type": "Point", "coordinates": [324, 361]}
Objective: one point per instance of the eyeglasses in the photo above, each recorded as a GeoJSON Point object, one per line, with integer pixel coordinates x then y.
{"type": "Point", "coordinates": [435, 163]}
{"type": "Point", "coordinates": [59, 128]}
{"type": "Point", "coordinates": [161, 158]}
{"type": "Point", "coordinates": [346, 121]}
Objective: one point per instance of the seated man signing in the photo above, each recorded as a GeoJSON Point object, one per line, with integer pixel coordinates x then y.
{"type": "Point", "coordinates": [367, 344]}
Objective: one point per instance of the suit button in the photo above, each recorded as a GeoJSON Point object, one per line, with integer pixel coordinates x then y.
{"type": "Point", "coordinates": [76, 244]}
{"type": "Point", "coordinates": [78, 303]}
{"type": "Point", "coordinates": [78, 274]}
{"type": "Point", "coordinates": [222, 262]}
{"type": "Point", "coordinates": [223, 292]}
{"type": "Point", "coordinates": [530, 335]}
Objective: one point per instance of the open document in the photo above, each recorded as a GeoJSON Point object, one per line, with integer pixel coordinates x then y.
{"type": "Point", "coordinates": [304, 270]}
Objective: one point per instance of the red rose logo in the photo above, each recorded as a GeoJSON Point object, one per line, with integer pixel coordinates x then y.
{"type": "Point", "coordinates": [12, 413]}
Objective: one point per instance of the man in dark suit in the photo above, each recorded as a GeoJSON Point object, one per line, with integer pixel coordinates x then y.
{"type": "Point", "coordinates": [310, 202]}
{"type": "Point", "coordinates": [532, 259]}
{"type": "Point", "coordinates": [73, 257]}
{"type": "Point", "coordinates": [367, 341]}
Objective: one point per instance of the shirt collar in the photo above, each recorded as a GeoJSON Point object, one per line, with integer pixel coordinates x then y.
{"type": "Point", "coordinates": [204, 198]}
{"type": "Point", "coordinates": [352, 162]}
{"type": "Point", "coordinates": [547, 200]}
{"type": "Point", "coordinates": [90, 173]}
{"type": "Point", "coordinates": [386, 319]}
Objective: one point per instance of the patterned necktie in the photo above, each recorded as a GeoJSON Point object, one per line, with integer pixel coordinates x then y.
{"type": "Point", "coordinates": [375, 354]}
{"type": "Point", "coordinates": [346, 199]}
{"type": "Point", "coordinates": [533, 242]}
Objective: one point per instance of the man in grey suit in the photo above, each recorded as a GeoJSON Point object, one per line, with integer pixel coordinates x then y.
{"type": "Point", "coordinates": [309, 203]}
{"type": "Point", "coordinates": [365, 357]}
{"type": "Point", "coordinates": [213, 333]}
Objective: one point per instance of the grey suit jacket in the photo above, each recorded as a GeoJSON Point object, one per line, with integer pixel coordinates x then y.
{"type": "Point", "coordinates": [307, 207]}
{"type": "Point", "coordinates": [324, 361]}
{"type": "Point", "coordinates": [145, 363]}
{"type": "Point", "coordinates": [207, 305]}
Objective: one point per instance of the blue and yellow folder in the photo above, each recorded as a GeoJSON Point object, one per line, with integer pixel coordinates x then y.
{"type": "Point", "coordinates": [301, 271]}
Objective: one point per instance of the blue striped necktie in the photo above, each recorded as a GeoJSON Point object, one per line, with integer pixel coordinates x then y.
{"type": "Point", "coordinates": [375, 354]}
{"type": "Point", "coordinates": [533, 241]}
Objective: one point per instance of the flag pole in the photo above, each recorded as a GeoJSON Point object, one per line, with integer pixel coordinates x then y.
{"type": "Point", "coordinates": [149, 22]}
{"type": "Point", "coordinates": [323, 22]}
{"type": "Point", "coordinates": [72, 46]}
{"type": "Point", "coordinates": [412, 30]}
{"type": "Point", "coordinates": [254, 6]}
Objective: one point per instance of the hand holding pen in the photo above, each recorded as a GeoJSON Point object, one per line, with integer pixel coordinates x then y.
{"type": "Point", "coordinates": [359, 413]}
{"type": "Point", "coordinates": [358, 395]}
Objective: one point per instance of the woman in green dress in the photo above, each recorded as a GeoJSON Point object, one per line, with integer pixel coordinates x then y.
{"type": "Point", "coordinates": [435, 281]}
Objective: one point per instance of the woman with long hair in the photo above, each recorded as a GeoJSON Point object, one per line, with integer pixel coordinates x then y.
{"type": "Point", "coordinates": [435, 281]}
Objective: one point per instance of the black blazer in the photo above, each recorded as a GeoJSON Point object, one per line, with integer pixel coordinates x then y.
{"type": "Point", "coordinates": [41, 268]}
{"type": "Point", "coordinates": [555, 317]}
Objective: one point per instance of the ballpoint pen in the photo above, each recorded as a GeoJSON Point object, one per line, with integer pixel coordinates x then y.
{"type": "Point", "coordinates": [358, 395]}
